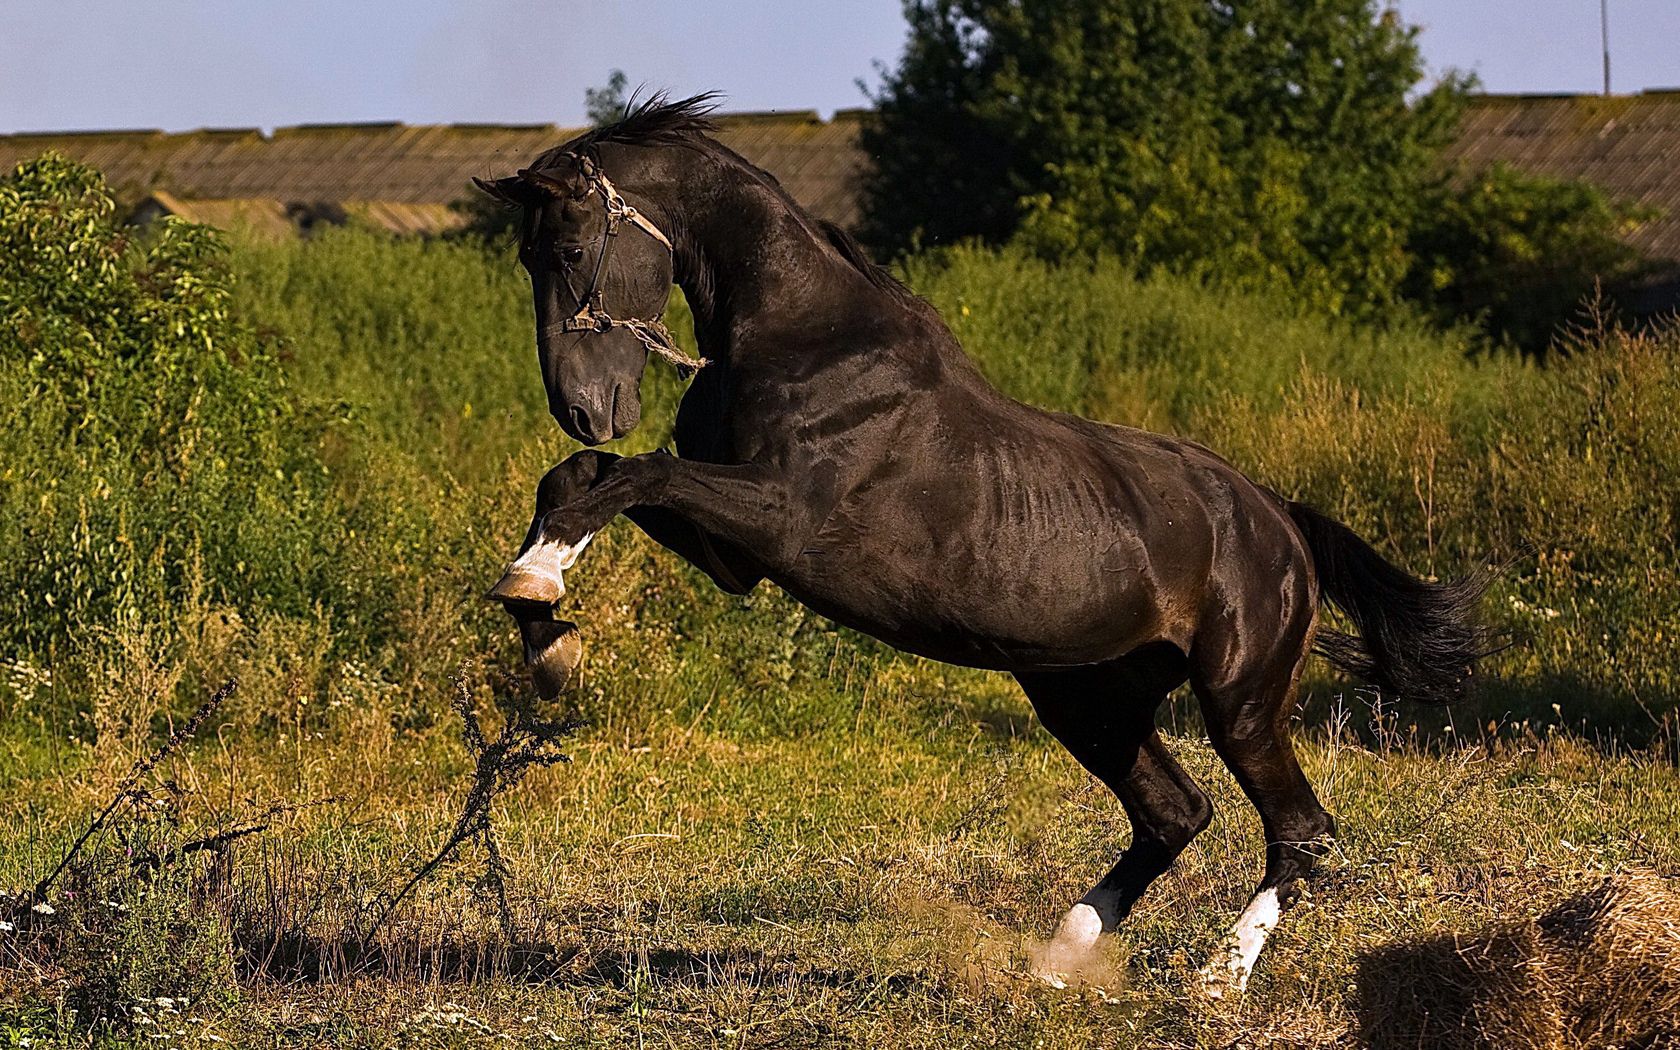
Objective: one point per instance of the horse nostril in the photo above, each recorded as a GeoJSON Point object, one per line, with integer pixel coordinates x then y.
{"type": "Point", "coordinates": [580, 421]}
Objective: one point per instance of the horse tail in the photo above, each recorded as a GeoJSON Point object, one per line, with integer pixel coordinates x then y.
{"type": "Point", "coordinates": [1414, 639]}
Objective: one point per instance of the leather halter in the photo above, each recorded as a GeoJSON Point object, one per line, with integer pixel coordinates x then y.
{"type": "Point", "coordinates": [592, 315]}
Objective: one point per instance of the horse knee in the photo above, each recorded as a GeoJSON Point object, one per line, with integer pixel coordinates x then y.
{"type": "Point", "coordinates": [1199, 817]}
{"type": "Point", "coordinates": [572, 477]}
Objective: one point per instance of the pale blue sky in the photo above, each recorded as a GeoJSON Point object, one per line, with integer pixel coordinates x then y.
{"type": "Point", "coordinates": [179, 64]}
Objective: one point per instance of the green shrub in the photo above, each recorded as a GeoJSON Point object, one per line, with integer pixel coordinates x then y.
{"type": "Point", "coordinates": [310, 475]}
{"type": "Point", "coordinates": [153, 440]}
{"type": "Point", "coordinates": [1519, 254]}
{"type": "Point", "coordinates": [1291, 147]}
{"type": "Point", "coordinates": [1268, 143]}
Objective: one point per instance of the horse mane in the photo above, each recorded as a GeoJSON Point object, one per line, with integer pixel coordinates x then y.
{"type": "Point", "coordinates": [653, 121]}
{"type": "Point", "coordinates": [659, 121]}
{"type": "Point", "coordinates": [877, 275]}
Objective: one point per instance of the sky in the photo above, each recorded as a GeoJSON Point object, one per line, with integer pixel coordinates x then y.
{"type": "Point", "coordinates": [182, 64]}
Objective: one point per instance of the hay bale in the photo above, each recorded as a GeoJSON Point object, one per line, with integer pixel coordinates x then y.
{"type": "Point", "coordinates": [1460, 993]}
{"type": "Point", "coordinates": [1601, 970]}
{"type": "Point", "coordinates": [1616, 952]}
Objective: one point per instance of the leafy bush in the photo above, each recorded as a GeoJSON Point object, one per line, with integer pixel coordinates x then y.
{"type": "Point", "coordinates": [1273, 146]}
{"type": "Point", "coordinates": [1262, 142]}
{"type": "Point", "coordinates": [155, 447]}
{"type": "Point", "coordinates": [1520, 254]}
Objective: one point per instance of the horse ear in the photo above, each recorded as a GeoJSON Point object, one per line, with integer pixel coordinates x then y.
{"type": "Point", "coordinates": [565, 188]}
{"type": "Point", "coordinates": [510, 191]}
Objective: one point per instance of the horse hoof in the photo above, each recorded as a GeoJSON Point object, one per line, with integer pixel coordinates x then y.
{"type": "Point", "coordinates": [520, 587]}
{"type": "Point", "coordinates": [1072, 951]}
{"type": "Point", "coordinates": [553, 655]}
{"type": "Point", "coordinates": [1219, 979]}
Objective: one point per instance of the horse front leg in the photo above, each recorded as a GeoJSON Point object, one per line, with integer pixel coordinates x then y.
{"type": "Point", "coordinates": [673, 500]}
{"type": "Point", "coordinates": [536, 576]}
{"type": "Point", "coordinates": [530, 589]}
{"type": "Point", "coordinates": [553, 649]}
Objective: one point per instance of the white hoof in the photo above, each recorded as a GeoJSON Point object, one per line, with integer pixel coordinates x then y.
{"type": "Point", "coordinates": [1228, 969]}
{"type": "Point", "coordinates": [1073, 948]}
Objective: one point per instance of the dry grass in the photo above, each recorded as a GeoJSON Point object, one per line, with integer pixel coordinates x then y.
{"type": "Point", "coordinates": [1600, 969]}
{"type": "Point", "coordinates": [885, 886]}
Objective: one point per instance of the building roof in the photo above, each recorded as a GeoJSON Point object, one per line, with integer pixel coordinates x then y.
{"type": "Point", "coordinates": [385, 166]}
{"type": "Point", "coordinates": [264, 216]}
{"type": "Point", "coordinates": [403, 177]}
{"type": "Point", "coordinates": [1629, 145]}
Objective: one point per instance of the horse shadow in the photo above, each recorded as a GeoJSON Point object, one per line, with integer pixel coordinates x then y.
{"type": "Point", "coordinates": [293, 958]}
{"type": "Point", "coordinates": [1608, 719]}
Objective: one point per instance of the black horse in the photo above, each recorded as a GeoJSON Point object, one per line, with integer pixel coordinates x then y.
{"type": "Point", "coordinates": [838, 442]}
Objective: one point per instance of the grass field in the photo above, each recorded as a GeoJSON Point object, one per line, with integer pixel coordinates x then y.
{"type": "Point", "coordinates": [772, 832]}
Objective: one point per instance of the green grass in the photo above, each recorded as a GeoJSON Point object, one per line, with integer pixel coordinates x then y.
{"type": "Point", "coordinates": [774, 832]}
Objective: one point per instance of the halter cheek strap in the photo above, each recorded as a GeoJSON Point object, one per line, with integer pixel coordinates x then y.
{"type": "Point", "coordinates": [592, 314]}
{"type": "Point", "coordinates": [618, 207]}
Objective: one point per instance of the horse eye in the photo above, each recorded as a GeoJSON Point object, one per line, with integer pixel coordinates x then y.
{"type": "Point", "coordinates": [570, 254]}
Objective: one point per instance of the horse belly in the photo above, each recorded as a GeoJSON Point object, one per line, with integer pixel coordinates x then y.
{"type": "Point", "coordinates": [1076, 591]}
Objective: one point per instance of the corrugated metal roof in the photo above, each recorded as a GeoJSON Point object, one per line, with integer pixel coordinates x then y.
{"type": "Point", "coordinates": [1627, 144]}
{"type": "Point", "coordinates": [425, 166]}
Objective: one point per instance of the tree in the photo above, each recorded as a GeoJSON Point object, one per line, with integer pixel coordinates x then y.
{"type": "Point", "coordinates": [1519, 254]}
{"type": "Point", "coordinates": [1258, 142]}
{"type": "Point", "coordinates": [606, 104]}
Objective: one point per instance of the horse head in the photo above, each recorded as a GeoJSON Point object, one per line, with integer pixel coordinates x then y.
{"type": "Point", "coordinates": [601, 275]}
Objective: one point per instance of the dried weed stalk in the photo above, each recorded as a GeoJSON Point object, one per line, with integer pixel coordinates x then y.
{"type": "Point", "coordinates": [526, 741]}
{"type": "Point", "coordinates": [126, 790]}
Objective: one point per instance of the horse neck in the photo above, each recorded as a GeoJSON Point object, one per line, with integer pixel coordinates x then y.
{"type": "Point", "coordinates": [740, 249]}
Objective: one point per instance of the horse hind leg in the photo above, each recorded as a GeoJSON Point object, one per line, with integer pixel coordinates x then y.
{"type": "Point", "coordinates": [1105, 716]}
{"type": "Point", "coordinates": [1247, 720]}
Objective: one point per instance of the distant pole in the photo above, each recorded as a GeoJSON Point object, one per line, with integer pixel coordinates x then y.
{"type": "Point", "coordinates": [1604, 36]}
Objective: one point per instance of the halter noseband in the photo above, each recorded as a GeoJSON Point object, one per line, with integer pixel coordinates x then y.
{"type": "Point", "coordinates": [591, 314]}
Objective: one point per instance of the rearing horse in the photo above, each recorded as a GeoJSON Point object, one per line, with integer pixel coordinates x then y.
{"type": "Point", "coordinates": [838, 442]}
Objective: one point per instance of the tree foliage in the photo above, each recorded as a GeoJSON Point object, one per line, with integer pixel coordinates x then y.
{"type": "Point", "coordinates": [1520, 254]}
{"type": "Point", "coordinates": [605, 104]}
{"type": "Point", "coordinates": [1257, 143]}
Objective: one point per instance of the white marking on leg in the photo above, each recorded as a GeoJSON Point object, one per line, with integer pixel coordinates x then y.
{"type": "Point", "coordinates": [1234, 961]}
{"type": "Point", "coordinates": [1080, 927]}
{"type": "Point", "coordinates": [550, 560]}
{"type": "Point", "coordinates": [1072, 950]}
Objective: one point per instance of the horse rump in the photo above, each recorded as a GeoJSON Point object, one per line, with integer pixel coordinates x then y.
{"type": "Point", "coordinates": [1412, 638]}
